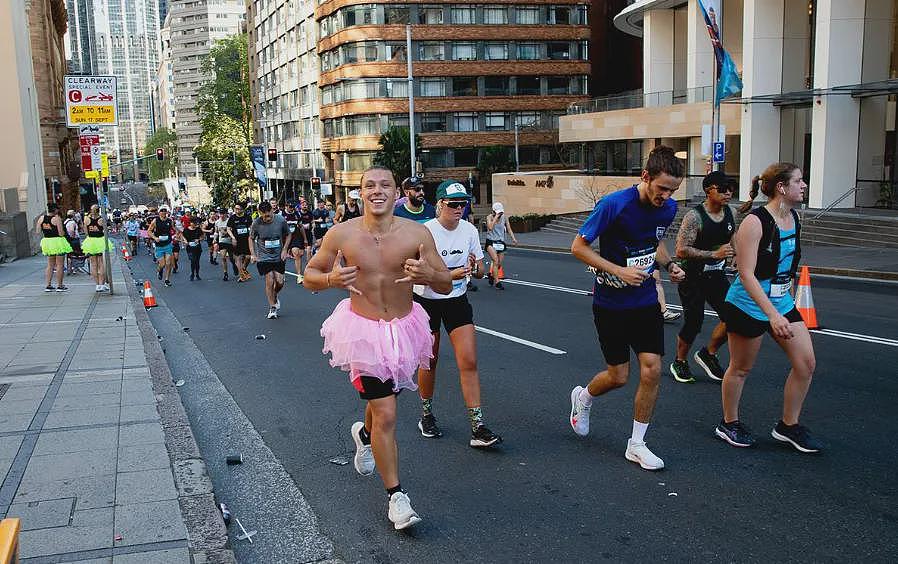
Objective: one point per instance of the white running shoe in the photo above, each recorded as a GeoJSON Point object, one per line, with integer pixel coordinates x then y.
{"type": "Point", "coordinates": [640, 454]}
{"type": "Point", "coordinates": [364, 458]}
{"type": "Point", "coordinates": [579, 413]}
{"type": "Point", "coordinates": [272, 313]}
{"type": "Point", "coordinates": [401, 513]}
{"type": "Point", "coordinates": [277, 304]}
{"type": "Point", "coordinates": [299, 279]}
{"type": "Point", "coordinates": [98, 287]}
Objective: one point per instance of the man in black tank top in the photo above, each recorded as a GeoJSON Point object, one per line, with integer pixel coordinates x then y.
{"type": "Point", "coordinates": [161, 232]}
{"type": "Point", "coordinates": [703, 242]}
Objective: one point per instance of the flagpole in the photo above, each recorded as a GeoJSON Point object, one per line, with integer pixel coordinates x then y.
{"type": "Point", "coordinates": [715, 111]}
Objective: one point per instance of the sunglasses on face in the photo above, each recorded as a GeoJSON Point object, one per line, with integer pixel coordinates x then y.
{"type": "Point", "coordinates": [456, 205]}
{"type": "Point", "coordinates": [724, 189]}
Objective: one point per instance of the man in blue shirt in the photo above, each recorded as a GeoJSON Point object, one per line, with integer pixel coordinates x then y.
{"type": "Point", "coordinates": [415, 207]}
{"type": "Point", "coordinates": [630, 225]}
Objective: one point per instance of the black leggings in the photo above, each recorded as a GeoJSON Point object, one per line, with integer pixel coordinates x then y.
{"type": "Point", "coordinates": [194, 254]}
{"type": "Point", "coordinates": [698, 288]}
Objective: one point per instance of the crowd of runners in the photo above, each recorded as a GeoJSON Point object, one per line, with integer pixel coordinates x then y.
{"type": "Point", "coordinates": [407, 266]}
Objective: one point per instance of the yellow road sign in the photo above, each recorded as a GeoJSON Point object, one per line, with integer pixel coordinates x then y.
{"type": "Point", "coordinates": [92, 174]}
{"type": "Point", "coordinates": [104, 167]}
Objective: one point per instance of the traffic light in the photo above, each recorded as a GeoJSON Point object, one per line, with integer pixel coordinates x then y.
{"type": "Point", "coordinates": [272, 155]}
{"type": "Point", "coordinates": [160, 154]}
{"type": "Point", "coordinates": [316, 182]}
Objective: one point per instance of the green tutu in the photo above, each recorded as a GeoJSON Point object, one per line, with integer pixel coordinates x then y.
{"type": "Point", "coordinates": [94, 246]}
{"type": "Point", "coordinates": [53, 246]}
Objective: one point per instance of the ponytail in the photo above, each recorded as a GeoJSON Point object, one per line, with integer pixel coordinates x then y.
{"type": "Point", "coordinates": [766, 182]}
{"type": "Point", "coordinates": [755, 186]}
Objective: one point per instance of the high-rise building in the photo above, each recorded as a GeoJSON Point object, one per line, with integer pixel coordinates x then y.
{"type": "Point", "coordinates": [113, 37]}
{"type": "Point", "coordinates": [284, 74]}
{"type": "Point", "coordinates": [194, 27]}
{"type": "Point", "coordinates": [163, 86]}
{"type": "Point", "coordinates": [163, 12]}
{"type": "Point", "coordinates": [481, 72]}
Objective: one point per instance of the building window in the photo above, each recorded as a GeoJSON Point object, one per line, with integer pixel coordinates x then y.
{"type": "Point", "coordinates": [495, 121]}
{"type": "Point", "coordinates": [397, 89]}
{"type": "Point", "coordinates": [557, 85]}
{"type": "Point", "coordinates": [433, 86]}
{"type": "Point", "coordinates": [463, 15]}
{"type": "Point", "coordinates": [435, 158]}
{"type": "Point", "coordinates": [559, 15]}
{"type": "Point", "coordinates": [465, 157]}
{"type": "Point", "coordinates": [364, 125]}
{"type": "Point", "coordinates": [397, 14]}
{"type": "Point", "coordinates": [526, 15]}
{"type": "Point", "coordinates": [464, 121]}
{"type": "Point", "coordinates": [464, 86]}
{"type": "Point", "coordinates": [433, 122]}
{"type": "Point", "coordinates": [430, 15]}
{"type": "Point", "coordinates": [493, 15]}
{"type": "Point", "coordinates": [526, 119]}
{"type": "Point", "coordinates": [528, 85]}
{"type": "Point", "coordinates": [432, 52]}
{"type": "Point", "coordinates": [496, 86]}
{"type": "Point", "coordinates": [528, 51]}
{"type": "Point", "coordinates": [464, 51]}
{"type": "Point", "coordinates": [495, 51]}
{"type": "Point", "coordinates": [395, 52]}
{"type": "Point", "coordinates": [559, 51]}
{"type": "Point", "coordinates": [397, 120]}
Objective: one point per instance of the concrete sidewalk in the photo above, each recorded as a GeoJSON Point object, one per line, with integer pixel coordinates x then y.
{"type": "Point", "coordinates": [85, 460]}
{"type": "Point", "coordinates": [878, 264]}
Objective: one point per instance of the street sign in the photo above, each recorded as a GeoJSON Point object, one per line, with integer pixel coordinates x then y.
{"type": "Point", "coordinates": [90, 100]}
{"type": "Point", "coordinates": [104, 165]}
{"type": "Point", "coordinates": [89, 141]}
{"type": "Point", "coordinates": [718, 152]}
{"type": "Point", "coordinates": [327, 189]}
{"type": "Point", "coordinates": [95, 174]}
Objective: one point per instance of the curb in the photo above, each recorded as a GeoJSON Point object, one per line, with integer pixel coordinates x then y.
{"type": "Point", "coordinates": [207, 536]}
{"type": "Point", "coordinates": [867, 275]}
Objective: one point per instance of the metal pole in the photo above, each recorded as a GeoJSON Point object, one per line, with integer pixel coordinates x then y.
{"type": "Point", "coordinates": [107, 261]}
{"type": "Point", "coordinates": [715, 112]}
{"type": "Point", "coordinates": [411, 98]}
{"type": "Point", "coordinates": [517, 162]}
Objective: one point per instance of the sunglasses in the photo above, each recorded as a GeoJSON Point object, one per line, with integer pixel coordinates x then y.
{"type": "Point", "coordinates": [724, 189]}
{"type": "Point", "coordinates": [456, 205]}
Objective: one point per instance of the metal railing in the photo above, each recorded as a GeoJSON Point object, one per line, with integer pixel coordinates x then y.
{"type": "Point", "coordinates": [641, 99]}
{"type": "Point", "coordinates": [835, 202]}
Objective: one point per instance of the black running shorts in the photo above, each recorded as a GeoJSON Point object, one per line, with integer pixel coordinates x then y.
{"type": "Point", "coordinates": [741, 323]}
{"type": "Point", "coordinates": [225, 247]}
{"type": "Point", "coordinates": [452, 313]}
{"type": "Point", "coordinates": [242, 247]}
{"type": "Point", "coordinates": [695, 290]}
{"type": "Point", "coordinates": [640, 329]}
{"type": "Point", "coordinates": [265, 267]}
{"type": "Point", "coordinates": [371, 388]}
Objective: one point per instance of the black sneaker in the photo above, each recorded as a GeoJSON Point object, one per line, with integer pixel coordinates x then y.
{"type": "Point", "coordinates": [62, 288]}
{"type": "Point", "coordinates": [225, 277]}
{"type": "Point", "coordinates": [198, 277]}
{"type": "Point", "coordinates": [168, 283]}
{"type": "Point", "coordinates": [428, 427]}
{"type": "Point", "coordinates": [191, 277]}
{"type": "Point", "coordinates": [483, 437]}
{"type": "Point", "coordinates": [49, 289]}
{"type": "Point", "coordinates": [679, 369]}
{"type": "Point", "coordinates": [490, 278]}
{"type": "Point", "coordinates": [709, 363]}
{"type": "Point", "coordinates": [796, 435]}
{"type": "Point", "coordinates": [159, 273]}
{"type": "Point", "coordinates": [734, 433]}
{"type": "Point", "coordinates": [472, 287]}
{"type": "Point", "coordinates": [499, 286]}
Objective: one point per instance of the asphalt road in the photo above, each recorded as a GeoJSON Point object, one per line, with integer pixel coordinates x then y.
{"type": "Point", "coordinates": [546, 494]}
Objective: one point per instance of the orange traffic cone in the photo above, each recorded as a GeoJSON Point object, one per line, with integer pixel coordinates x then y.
{"type": "Point", "coordinates": [149, 300]}
{"type": "Point", "coordinates": [804, 301]}
{"type": "Point", "coordinates": [501, 273]}
{"type": "Point", "coordinates": [126, 253]}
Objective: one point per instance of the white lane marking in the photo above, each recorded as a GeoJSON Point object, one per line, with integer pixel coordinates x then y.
{"type": "Point", "coordinates": [550, 350]}
{"type": "Point", "coordinates": [291, 273]}
{"type": "Point", "coordinates": [828, 332]}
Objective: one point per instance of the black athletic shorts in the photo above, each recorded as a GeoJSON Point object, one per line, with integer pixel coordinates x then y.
{"type": "Point", "coordinates": [490, 243]}
{"type": "Point", "coordinates": [320, 232]}
{"type": "Point", "coordinates": [741, 323]}
{"type": "Point", "coordinates": [229, 247]}
{"type": "Point", "coordinates": [452, 313]}
{"type": "Point", "coordinates": [176, 247]}
{"type": "Point", "coordinates": [132, 238]}
{"type": "Point", "coordinates": [698, 288]}
{"type": "Point", "coordinates": [270, 266]}
{"type": "Point", "coordinates": [371, 388]}
{"type": "Point", "coordinates": [640, 329]}
{"type": "Point", "coordinates": [241, 248]}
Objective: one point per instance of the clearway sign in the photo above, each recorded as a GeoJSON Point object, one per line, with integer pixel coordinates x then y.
{"type": "Point", "coordinates": [90, 100]}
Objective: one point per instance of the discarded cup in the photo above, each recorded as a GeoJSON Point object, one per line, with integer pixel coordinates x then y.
{"type": "Point", "coordinates": [185, 329]}
{"type": "Point", "coordinates": [179, 383]}
{"type": "Point", "coordinates": [225, 513]}
{"type": "Point", "coordinates": [260, 337]}
{"type": "Point", "coordinates": [339, 460]}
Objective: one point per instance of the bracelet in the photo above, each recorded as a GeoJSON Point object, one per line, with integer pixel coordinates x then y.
{"type": "Point", "coordinates": [328, 279]}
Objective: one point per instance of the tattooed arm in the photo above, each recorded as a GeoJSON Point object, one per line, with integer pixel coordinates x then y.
{"type": "Point", "coordinates": [686, 238]}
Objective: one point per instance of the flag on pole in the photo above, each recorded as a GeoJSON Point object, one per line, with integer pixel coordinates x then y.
{"type": "Point", "coordinates": [728, 81]}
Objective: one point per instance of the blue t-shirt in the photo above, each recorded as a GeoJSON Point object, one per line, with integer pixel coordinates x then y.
{"type": "Point", "coordinates": [426, 214]}
{"type": "Point", "coordinates": [628, 233]}
{"type": "Point", "coordinates": [780, 296]}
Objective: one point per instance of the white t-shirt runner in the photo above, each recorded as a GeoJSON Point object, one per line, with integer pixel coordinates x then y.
{"type": "Point", "coordinates": [454, 247]}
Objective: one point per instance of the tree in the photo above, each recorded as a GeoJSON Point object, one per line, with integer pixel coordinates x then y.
{"type": "Point", "coordinates": [167, 140]}
{"type": "Point", "coordinates": [394, 152]}
{"type": "Point", "coordinates": [495, 158]}
{"type": "Point", "coordinates": [224, 159]}
{"type": "Point", "coordinates": [226, 90]}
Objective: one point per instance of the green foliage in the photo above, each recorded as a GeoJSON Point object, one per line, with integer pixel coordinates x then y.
{"type": "Point", "coordinates": [226, 90]}
{"type": "Point", "coordinates": [394, 152]}
{"type": "Point", "coordinates": [224, 159]}
{"type": "Point", "coordinates": [167, 140]}
{"type": "Point", "coordinates": [495, 158]}
{"type": "Point", "coordinates": [886, 195]}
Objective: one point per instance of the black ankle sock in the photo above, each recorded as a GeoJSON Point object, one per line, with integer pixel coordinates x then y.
{"type": "Point", "coordinates": [391, 491]}
{"type": "Point", "coordinates": [364, 436]}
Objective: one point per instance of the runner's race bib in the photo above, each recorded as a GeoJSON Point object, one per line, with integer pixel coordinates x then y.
{"type": "Point", "coordinates": [715, 266]}
{"type": "Point", "coordinates": [292, 227]}
{"type": "Point", "coordinates": [780, 286]}
{"type": "Point", "coordinates": [644, 262]}
{"type": "Point", "coordinates": [498, 246]}
{"type": "Point", "coordinates": [272, 243]}
{"type": "Point", "coordinates": [242, 230]}
{"type": "Point", "coordinates": [163, 239]}
{"type": "Point", "coordinates": [194, 243]}
{"type": "Point", "coordinates": [224, 240]}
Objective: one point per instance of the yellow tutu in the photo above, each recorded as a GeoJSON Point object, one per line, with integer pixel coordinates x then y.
{"type": "Point", "coordinates": [54, 246]}
{"type": "Point", "coordinates": [94, 246]}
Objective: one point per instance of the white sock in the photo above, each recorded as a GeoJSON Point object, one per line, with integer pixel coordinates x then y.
{"type": "Point", "coordinates": [585, 397]}
{"type": "Point", "coordinates": [639, 430]}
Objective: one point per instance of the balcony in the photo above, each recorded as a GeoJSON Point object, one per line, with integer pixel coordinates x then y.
{"type": "Point", "coordinates": [640, 99]}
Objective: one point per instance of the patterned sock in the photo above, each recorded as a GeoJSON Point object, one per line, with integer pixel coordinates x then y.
{"type": "Point", "coordinates": [391, 491]}
{"type": "Point", "coordinates": [426, 406]}
{"type": "Point", "coordinates": [475, 416]}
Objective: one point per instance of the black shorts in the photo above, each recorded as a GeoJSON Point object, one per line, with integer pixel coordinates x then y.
{"type": "Point", "coordinates": [132, 238]}
{"type": "Point", "coordinates": [176, 247]}
{"type": "Point", "coordinates": [489, 243]}
{"type": "Point", "coordinates": [320, 232]}
{"type": "Point", "coordinates": [640, 329]}
{"type": "Point", "coordinates": [242, 247]}
{"type": "Point", "coordinates": [229, 247]}
{"type": "Point", "coordinates": [452, 313]}
{"type": "Point", "coordinates": [371, 388]}
{"type": "Point", "coordinates": [270, 266]}
{"type": "Point", "coordinates": [741, 323]}
{"type": "Point", "coordinates": [698, 288]}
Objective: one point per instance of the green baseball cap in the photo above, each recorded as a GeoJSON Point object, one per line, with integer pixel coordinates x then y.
{"type": "Point", "coordinates": [452, 190]}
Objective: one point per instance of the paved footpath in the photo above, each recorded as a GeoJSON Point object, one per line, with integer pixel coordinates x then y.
{"type": "Point", "coordinates": [87, 462]}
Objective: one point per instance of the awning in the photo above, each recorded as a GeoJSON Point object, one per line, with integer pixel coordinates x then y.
{"type": "Point", "coordinates": [805, 97]}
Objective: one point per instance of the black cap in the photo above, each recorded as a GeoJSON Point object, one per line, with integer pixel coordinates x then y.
{"type": "Point", "coordinates": [716, 178]}
{"type": "Point", "coordinates": [412, 181]}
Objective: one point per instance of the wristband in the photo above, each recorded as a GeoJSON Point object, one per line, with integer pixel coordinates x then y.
{"type": "Point", "coordinates": [328, 279]}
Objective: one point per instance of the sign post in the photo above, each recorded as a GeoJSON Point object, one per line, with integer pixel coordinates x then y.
{"type": "Point", "coordinates": [719, 151]}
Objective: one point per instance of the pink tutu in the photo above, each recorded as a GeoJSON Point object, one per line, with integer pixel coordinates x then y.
{"type": "Point", "coordinates": [381, 349]}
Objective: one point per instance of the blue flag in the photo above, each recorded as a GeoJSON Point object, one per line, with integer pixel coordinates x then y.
{"type": "Point", "coordinates": [728, 81]}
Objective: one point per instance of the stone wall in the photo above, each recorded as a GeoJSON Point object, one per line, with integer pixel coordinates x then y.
{"type": "Point", "coordinates": [554, 193]}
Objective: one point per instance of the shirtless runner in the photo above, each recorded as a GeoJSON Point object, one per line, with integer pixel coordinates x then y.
{"type": "Point", "coordinates": [378, 334]}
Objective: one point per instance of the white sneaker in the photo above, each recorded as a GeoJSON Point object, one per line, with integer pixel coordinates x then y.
{"type": "Point", "coordinates": [277, 304]}
{"type": "Point", "coordinates": [579, 413]}
{"type": "Point", "coordinates": [299, 279]}
{"type": "Point", "coordinates": [364, 458]}
{"type": "Point", "coordinates": [272, 313]}
{"type": "Point", "coordinates": [106, 287]}
{"type": "Point", "coordinates": [640, 454]}
{"type": "Point", "coordinates": [401, 513]}
{"type": "Point", "coordinates": [98, 288]}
